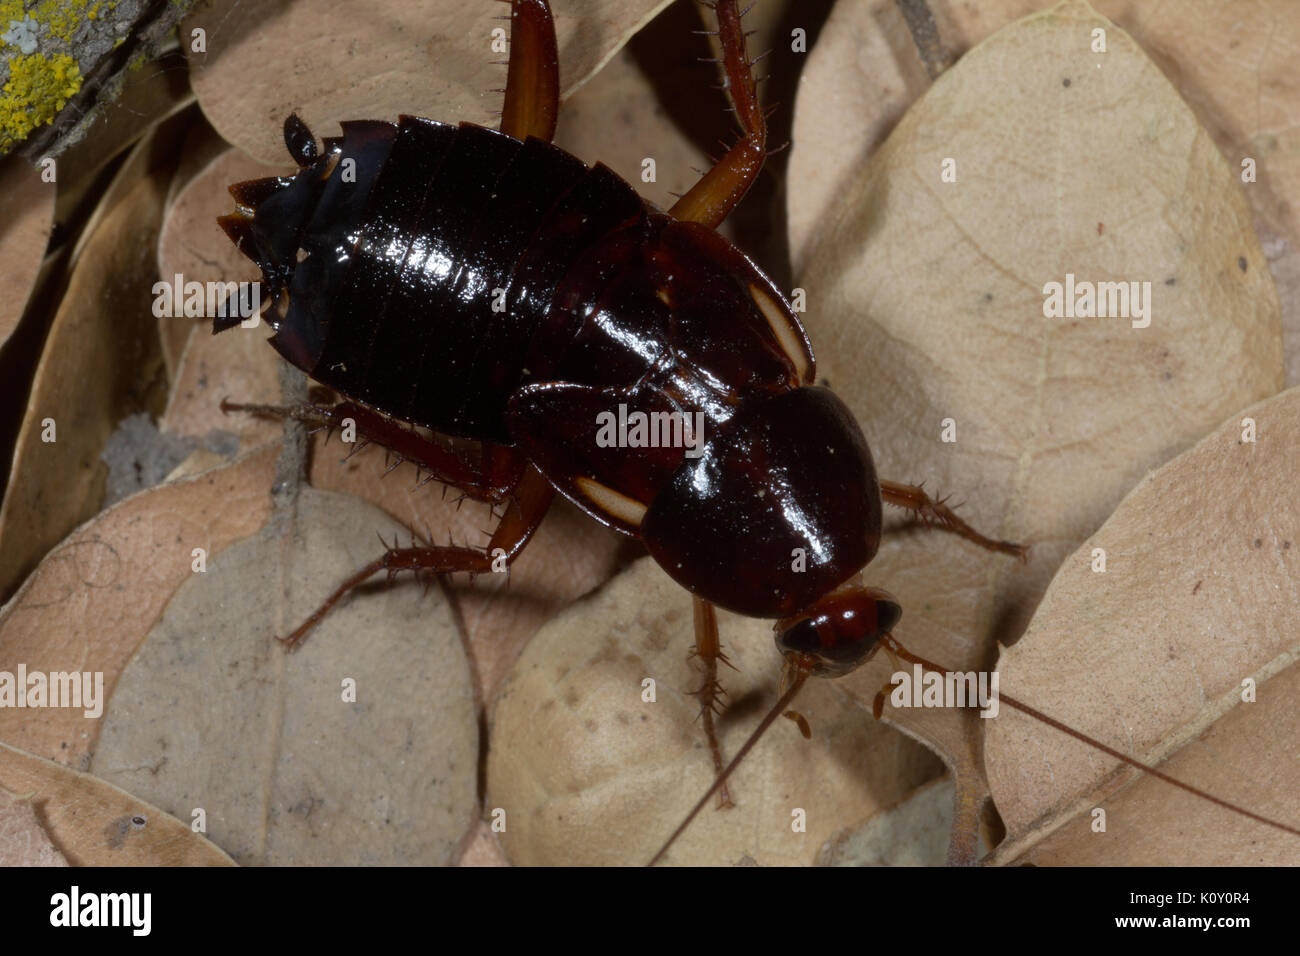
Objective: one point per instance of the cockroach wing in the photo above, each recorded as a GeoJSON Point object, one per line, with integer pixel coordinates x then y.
{"type": "Point", "coordinates": [577, 436]}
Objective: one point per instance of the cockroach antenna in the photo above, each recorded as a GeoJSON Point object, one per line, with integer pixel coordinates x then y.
{"type": "Point", "coordinates": [891, 645]}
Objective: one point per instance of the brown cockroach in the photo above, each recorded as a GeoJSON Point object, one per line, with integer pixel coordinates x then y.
{"type": "Point", "coordinates": [490, 286]}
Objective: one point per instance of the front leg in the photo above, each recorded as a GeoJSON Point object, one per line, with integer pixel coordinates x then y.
{"type": "Point", "coordinates": [937, 514]}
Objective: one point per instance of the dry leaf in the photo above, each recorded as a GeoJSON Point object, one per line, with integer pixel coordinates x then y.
{"type": "Point", "coordinates": [99, 363]}
{"type": "Point", "coordinates": [620, 120]}
{"type": "Point", "coordinates": [1199, 594]}
{"type": "Point", "coordinates": [151, 94]}
{"type": "Point", "coordinates": [211, 713]}
{"type": "Point", "coordinates": [914, 833]}
{"type": "Point", "coordinates": [328, 61]}
{"type": "Point", "coordinates": [95, 824]}
{"type": "Point", "coordinates": [588, 772]}
{"type": "Point", "coordinates": [23, 841]}
{"type": "Point", "coordinates": [926, 303]}
{"type": "Point", "coordinates": [26, 217]}
{"type": "Point", "coordinates": [92, 599]}
{"type": "Point", "coordinates": [1232, 63]}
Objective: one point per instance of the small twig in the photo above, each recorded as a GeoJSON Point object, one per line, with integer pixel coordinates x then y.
{"type": "Point", "coordinates": [925, 34]}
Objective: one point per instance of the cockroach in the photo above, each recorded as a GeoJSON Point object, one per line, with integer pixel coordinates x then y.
{"type": "Point", "coordinates": [487, 285]}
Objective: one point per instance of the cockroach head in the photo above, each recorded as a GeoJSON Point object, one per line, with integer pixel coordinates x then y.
{"type": "Point", "coordinates": [273, 213]}
{"type": "Point", "coordinates": [840, 632]}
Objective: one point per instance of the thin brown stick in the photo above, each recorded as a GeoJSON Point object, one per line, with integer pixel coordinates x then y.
{"type": "Point", "coordinates": [925, 34]}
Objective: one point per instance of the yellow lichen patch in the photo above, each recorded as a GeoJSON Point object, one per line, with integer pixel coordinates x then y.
{"type": "Point", "coordinates": [37, 88]}
{"type": "Point", "coordinates": [60, 18]}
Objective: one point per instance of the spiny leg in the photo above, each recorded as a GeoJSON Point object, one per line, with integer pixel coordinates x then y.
{"type": "Point", "coordinates": [528, 505]}
{"type": "Point", "coordinates": [532, 101]}
{"type": "Point", "coordinates": [491, 479]}
{"type": "Point", "coordinates": [722, 187]}
{"type": "Point", "coordinates": [708, 648]}
{"type": "Point", "coordinates": [937, 514]}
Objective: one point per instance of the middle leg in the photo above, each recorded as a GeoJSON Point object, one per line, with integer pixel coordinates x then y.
{"type": "Point", "coordinates": [492, 478]}
{"type": "Point", "coordinates": [529, 501]}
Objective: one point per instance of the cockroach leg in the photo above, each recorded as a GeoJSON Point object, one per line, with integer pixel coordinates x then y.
{"type": "Point", "coordinates": [797, 673]}
{"type": "Point", "coordinates": [711, 199]}
{"type": "Point", "coordinates": [529, 502]}
{"type": "Point", "coordinates": [708, 648]}
{"type": "Point", "coordinates": [532, 101]}
{"type": "Point", "coordinates": [491, 479]}
{"type": "Point", "coordinates": [937, 514]}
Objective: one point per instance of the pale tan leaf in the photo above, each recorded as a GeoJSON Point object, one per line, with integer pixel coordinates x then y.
{"type": "Point", "coordinates": [1199, 594]}
{"type": "Point", "coordinates": [93, 823]}
{"type": "Point", "coordinates": [330, 60]}
{"type": "Point", "coordinates": [568, 556]}
{"type": "Point", "coordinates": [914, 833]}
{"type": "Point", "coordinates": [100, 362]}
{"type": "Point", "coordinates": [620, 121]}
{"type": "Point", "coordinates": [1232, 63]}
{"type": "Point", "coordinates": [26, 217]}
{"type": "Point", "coordinates": [926, 303]}
{"type": "Point", "coordinates": [212, 713]}
{"type": "Point", "coordinates": [589, 773]}
{"type": "Point", "coordinates": [23, 841]}
{"type": "Point", "coordinates": [92, 599]}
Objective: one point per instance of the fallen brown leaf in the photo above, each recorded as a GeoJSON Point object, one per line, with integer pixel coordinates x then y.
{"type": "Point", "coordinates": [211, 713]}
{"type": "Point", "coordinates": [23, 841]}
{"type": "Point", "coordinates": [1232, 63]}
{"type": "Point", "coordinates": [26, 217]}
{"type": "Point", "coordinates": [92, 599]}
{"type": "Point", "coordinates": [99, 363]}
{"type": "Point", "coordinates": [239, 366]}
{"type": "Point", "coordinates": [328, 61]}
{"type": "Point", "coordinates": [1199, 594]}
{"type": "Point", "coordinates": [926, 303]}
{"type": "Point", "coordinates": [588, 772]}
{"type": "Point", "coordinates": [93, 823]}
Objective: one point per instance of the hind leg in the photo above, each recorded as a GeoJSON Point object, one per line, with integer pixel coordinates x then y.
{"type": "Point", "coordinates": [529, 501]}
{"type": "Point", "coordinates": [711, 199]}
{"type": "Point", "coordinates": [532, 101]}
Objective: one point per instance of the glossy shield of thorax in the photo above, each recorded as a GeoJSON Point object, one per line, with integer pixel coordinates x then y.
{"type": "Point", "coordinates": [781, 508]}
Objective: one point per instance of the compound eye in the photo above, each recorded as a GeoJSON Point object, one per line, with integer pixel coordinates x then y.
{"type": "Point", "coordinates": [888, 614]}
{"type": "Point", "coordinates": [802, 638]}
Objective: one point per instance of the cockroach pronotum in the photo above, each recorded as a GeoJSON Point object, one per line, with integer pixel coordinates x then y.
{"type": "Point", "coordinates": [489, 286]}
